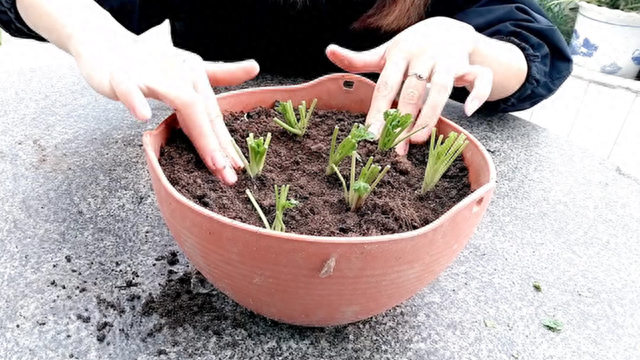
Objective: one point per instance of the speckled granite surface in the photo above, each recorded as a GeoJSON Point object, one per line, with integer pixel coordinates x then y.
{"type": "Point", "coordinates": [83, 246]}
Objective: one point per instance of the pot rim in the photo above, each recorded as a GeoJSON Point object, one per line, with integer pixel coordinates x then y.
{"type": "Point", "coordinates": [613, 17]}
{"type": "Point", "coordinates": [475, 196]}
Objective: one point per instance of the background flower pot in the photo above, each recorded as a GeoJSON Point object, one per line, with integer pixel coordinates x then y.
{"type": "Point", "coordinates": [607, 40]}
{"type": "Point", "coordinates": [317, 281]}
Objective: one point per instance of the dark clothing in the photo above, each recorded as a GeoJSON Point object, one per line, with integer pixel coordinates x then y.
{"type": "Point", "coordinates": [290, 39]}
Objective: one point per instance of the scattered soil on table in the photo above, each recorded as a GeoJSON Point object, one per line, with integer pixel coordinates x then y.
{"type": "Point", "coordinates": [393, 207]}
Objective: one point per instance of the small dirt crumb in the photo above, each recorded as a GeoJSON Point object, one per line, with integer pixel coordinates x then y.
{"type": "Point", "coordinates": [74, 270]}
{"type": "Point", "coordinates": [161, 352]}
{"type": "Point", "coordinates": [402, 165]}
{"type": "Point", "coordinates": [64, 287]}
{"type": "Point", "coordinates": [129, 283]}
{"type": "Point", "coordinates": [103, 325]}
{"type": "Point", "coordinates": [101, 337]}
{"type": "Point", "coordinates": [68, 258]}
{"type": "Point", "coordinates": [84, 318]}
{"type": "Point", "coordinates": [172, 259]}
{"type": "Point", "coordinates": [70, 356]}
{"type": "Point", "coordinates": [41, 322]}
{"type": "Point", "coordinates": [53, 283]}
{"type": "Point", "coordinates": [133, 297]}
{"type": "Point", "coordinates": [317, 148]}
{"type": "Point", "coordinates": [18, 326]}
{"type": "Point", "coordinates": [82, 289]}
{"type": "Point", "coordinates": [110, 305]}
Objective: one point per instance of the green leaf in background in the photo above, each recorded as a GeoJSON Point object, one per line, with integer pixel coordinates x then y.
{"type": "Point", "coordinates": [553, 325]}
{"type": "Point", "coordinates": [537, 286]}
{"type": "Point", "coordinates": [490, 324]}
{"type": "Point", "coordinates": [563, 13]}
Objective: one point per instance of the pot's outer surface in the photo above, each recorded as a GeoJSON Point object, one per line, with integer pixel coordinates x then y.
{"type": "Point", "coordinates": [317, 281]}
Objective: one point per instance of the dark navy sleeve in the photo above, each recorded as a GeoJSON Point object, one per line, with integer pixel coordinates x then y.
{"type": "Point", "coordinates": [12, 23]}
{"type": "Point", "coordinates": [135, 15]}
{"type": "Point", "coordinates": [524, 24]}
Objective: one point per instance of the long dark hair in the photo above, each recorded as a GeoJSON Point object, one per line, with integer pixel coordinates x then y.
{"type": "Point", "coordinates": [393, 15]}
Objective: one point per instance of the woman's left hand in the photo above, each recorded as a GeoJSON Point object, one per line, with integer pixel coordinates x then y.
{"type": "Point", "coordinates": [435, 51]}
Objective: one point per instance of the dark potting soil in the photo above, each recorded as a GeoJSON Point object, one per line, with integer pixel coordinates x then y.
{"type": "Point", "coordinates": [394, 206]}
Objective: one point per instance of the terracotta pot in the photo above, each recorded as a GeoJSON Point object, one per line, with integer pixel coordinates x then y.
{"type": "Point", "coordinates": [317, 281]}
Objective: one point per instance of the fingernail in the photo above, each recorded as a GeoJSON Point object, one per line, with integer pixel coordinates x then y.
{"type": "Point", "coordinates": [236, 164]}
{"type": "Point", "coordinates": [230, 175]}
{"type": "Point", "coordinates": [219, 163]}
{"type": "Point", "coordinates": [471, 107]}
{"type": "Point", "coordinates": [403, 148]}
{"type": "Point", "coordinates": [375, 128]}
{"type": "Point", "coordinates": [421, 136]}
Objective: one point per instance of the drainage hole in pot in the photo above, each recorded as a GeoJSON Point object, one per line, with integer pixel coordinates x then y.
{"type": "Point", "coordinates": [477, 205]}
{"type": "Point", "coordinates": [348, 84]}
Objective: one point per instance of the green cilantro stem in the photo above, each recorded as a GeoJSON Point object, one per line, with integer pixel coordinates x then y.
{"type": "Point", "coordinates": [282, 203]}
{"type": "Point", "coordinates": [358, 190]}
{"type": "Point", "coordinates": [291, 123]}
{"type": "Point", "coordinates": [257, 154]}
{"type": "Point", "coordinates": [554, 325]}
{"type": "Point", "coordinates": [258, 209]}
{"type": "Point", "coordinates": [441, 156]}
{"type": "Point", "coordinates": [395, 125]}
{"type": "Point", "coordinates": [348, 146]}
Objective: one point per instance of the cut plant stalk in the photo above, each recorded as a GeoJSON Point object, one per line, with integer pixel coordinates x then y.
{"type": "Point", "coordinates": [441, 156]}
{"type": "Point", "coordinates": [258, 209]}
{"type": "Point", "coordinates": [395, 125]}
{"type": "Point", "coordinates": [292, 124]}
{"type": "Point", "coordinates": [257, 154]}
{"type": "Point", "coordinates": [348, 146]}
{"type": "Point", "coordinates": [358, 191]}
{"type": "Point", "coordinates": [282, 204]}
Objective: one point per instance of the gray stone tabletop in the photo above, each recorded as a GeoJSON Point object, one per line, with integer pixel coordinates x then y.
{"type": "Point", "coordinates": [88, 269]}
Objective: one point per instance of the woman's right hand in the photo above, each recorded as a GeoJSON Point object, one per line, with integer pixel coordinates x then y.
{"type": "Point", "coordinates": [129, 70]}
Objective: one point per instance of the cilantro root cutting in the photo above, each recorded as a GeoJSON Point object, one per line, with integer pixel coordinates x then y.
{"type": "Point", "coordinates": [257, 154]}
{"type": "Point", "coordinates": [291, 123]}
{"type": "Point", "coordinates": [282, 204]}
{"type": "Point", "coordinates": [395, 125]}
{"type": "Point", "coordinates": [358, 191]}
{"type": "Point", "coordinates": [348, 146]}
{"type": "Point", "coordinates": [441, 156]}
